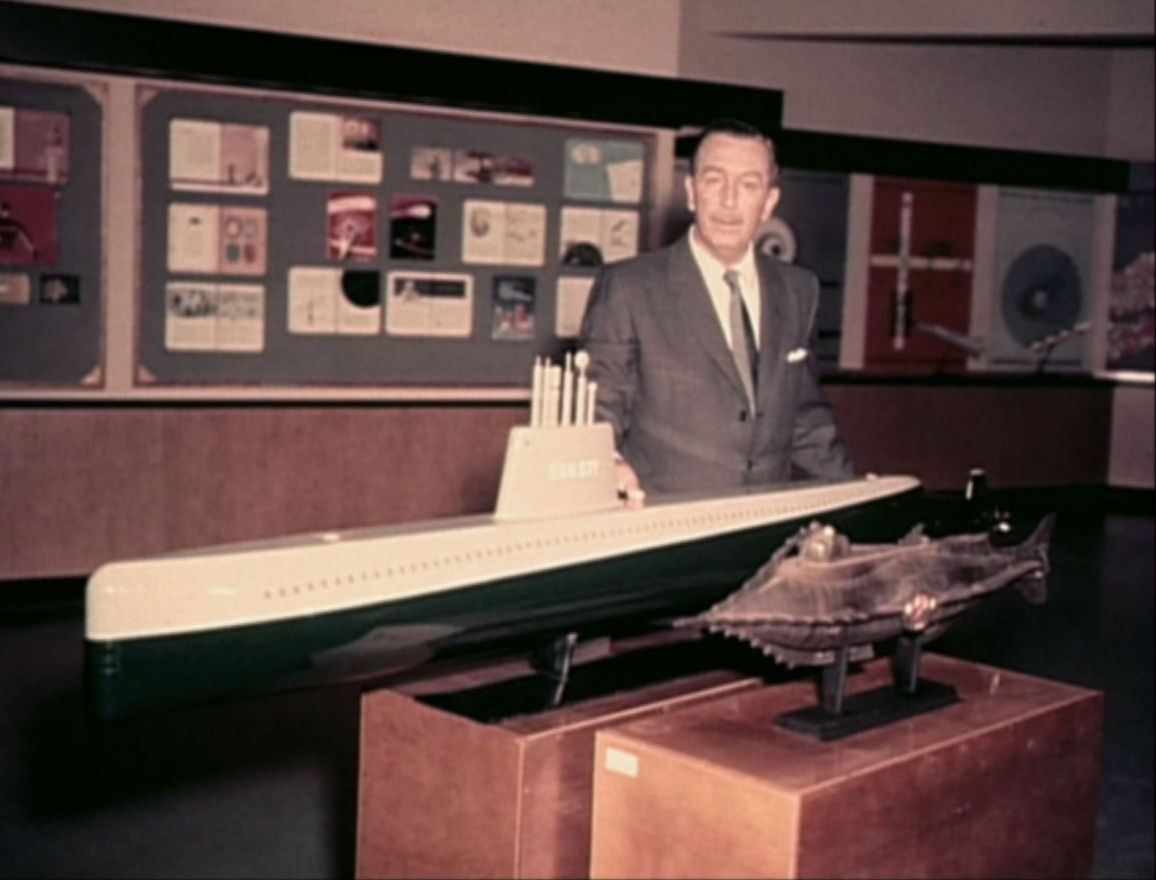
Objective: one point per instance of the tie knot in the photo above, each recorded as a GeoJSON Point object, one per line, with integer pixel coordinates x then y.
{"type": "Point", "coordinates": [731, 277]}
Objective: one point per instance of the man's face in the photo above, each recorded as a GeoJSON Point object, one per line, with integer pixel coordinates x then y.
{"type": "Point", "coordinates": [730, 193]}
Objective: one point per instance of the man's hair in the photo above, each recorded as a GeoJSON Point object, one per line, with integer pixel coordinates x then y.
{"type": "Point", "coordinates": [735, 128]}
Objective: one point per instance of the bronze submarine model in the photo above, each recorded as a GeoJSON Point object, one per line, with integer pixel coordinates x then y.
{"type": "Point", "coordinates": [821, 593]}
{"type": "Point", "coordinates": [562, 553]}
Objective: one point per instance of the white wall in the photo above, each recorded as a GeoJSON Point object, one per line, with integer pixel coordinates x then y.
{"type": "Point", "coordinates": [1131, 459]}
{"type": "Point", "coordinates": [639, 36]}
{"type": "Point", "coordinates": [1084, 101]}
{"type": "Point", "coordinates": [1131, 134]}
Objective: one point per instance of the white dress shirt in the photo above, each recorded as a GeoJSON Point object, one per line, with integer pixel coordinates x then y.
{"type": "Point", "coordinates": [720, 293]}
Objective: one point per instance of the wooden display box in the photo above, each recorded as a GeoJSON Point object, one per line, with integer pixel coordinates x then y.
{"type": "Point", "coordinates": [1003, 783]}
{"type": "Point", "coordinates": [442, 794]}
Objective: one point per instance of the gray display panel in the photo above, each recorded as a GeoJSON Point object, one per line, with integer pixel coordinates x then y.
{"type": "Point", "coordinates": [50, 234]}
{"type": "Point", "coordinates": [511, 316]}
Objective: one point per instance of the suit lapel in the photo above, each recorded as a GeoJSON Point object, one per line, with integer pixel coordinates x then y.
{"type": "Point", "coordinates": [694, 306]}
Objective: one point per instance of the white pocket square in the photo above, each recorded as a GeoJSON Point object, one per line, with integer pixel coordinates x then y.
{"type": "Point", "coordinates": [795, 355]}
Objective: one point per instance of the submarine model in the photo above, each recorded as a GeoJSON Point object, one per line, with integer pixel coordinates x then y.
{"type": "Point", "coordinates": [563, 554]}
{"type": "Point", "coordinates": [820, 593]}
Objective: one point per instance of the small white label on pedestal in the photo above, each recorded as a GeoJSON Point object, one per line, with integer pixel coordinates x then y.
{"type": "Point", "coordinates": [622, 762]}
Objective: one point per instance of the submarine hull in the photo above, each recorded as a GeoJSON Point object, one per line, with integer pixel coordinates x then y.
{"type": "Point", "coordinates": [129, 674]}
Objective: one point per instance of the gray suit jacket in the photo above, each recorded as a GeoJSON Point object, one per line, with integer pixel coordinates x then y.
{"type": "Point", "coordinates": [668, 385]}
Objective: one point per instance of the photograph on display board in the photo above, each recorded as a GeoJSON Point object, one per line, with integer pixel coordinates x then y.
{"type": "Point", "coordinates": [483, 231]}
{"type": "Point", "coordinates": [431, 163]}
{"type": "Point", "coordinates": [1132, 295]}
{"type": "Point", "coordinates": [210, 317]}
{"type": "Point", "coordinates": [920, 277]}
{"type": "Point", "coordinates": [359, 302]}
{"type": "Point", "coordinates": [513, 233]}
{"type": "Point", "coordinates": [59, 288]}
{"type": "Point", "coordinates": [243, 240]}
{"type": "Point", "coordinates": [473, 166]}
{"type": "Point", "coordinates": [513, 171]}
{"type": "Point", "coordinates": [34, 145]}
{"type": "Point", "coordinates": [351, 226]}
{"type": "Point", "coordinates": [331, 300]}
{"type": "Point", "coordinates": [525, 235]}
{"type": "Point", "coordinates": [218, 157]}
{"type": "Point", "coordinates": [580, 237]}
{"type": "Point", "coordinates": [329, 146]}
{"type": "Point", "coordinates": [514, 297]}
{"type": "Point", "coordinates": [194, 237]}
{"type": "Point", "coordinates": [28, 222]}
{"type": "Point", "coordinates": [573, 292]}
{"type": "Point", "coordinates": [603, 170]}
{"type": "Point", "coordinates": [211, 239]}
{"type": "Point", "coordinates": [1041, 294]}
{"type": "Point", "coordinates": [240, 317]}
{"type": "Point", "coordinates": [413, 227]}
{"type": "Point", "coordinates": [429, 304]}
{"type": "Point", "coordinates": [15, 289]}
{"type": "Point", "coordinates": [593, 236]}
{"type": "Point", "coordinates": [190, 316]}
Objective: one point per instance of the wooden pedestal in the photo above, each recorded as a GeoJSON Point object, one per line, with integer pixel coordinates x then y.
{"type": "Point", "coordinates": [444, 795]}
{"type": "Point", "coordinates": [1003, 783]}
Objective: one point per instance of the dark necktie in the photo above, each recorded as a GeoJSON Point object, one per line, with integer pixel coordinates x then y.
{"type": "Point", "coordinates": [743, 345]}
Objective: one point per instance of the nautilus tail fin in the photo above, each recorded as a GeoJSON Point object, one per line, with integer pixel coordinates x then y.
{"type": "Point", "coordinates": [1034, 586]}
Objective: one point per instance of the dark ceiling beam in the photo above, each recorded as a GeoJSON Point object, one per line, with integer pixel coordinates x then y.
{"type": "Point", "coordinates": [820, 151]}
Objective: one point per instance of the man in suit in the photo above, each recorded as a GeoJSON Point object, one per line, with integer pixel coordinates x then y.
{"type": "Point", "coordinates": [668, 341]}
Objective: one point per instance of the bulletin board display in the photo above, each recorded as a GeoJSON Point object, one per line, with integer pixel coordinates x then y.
{"type": "Point", "coordinates": [1131, 341]}
{"type": "Point", "coordinates": [1044, 283]}
{"type": "Point", "coordinates": [922, 243]}
{"type": "Point", "coordinates": [301, 241]}
{"type": "Point", "coordinates": [50, 234]}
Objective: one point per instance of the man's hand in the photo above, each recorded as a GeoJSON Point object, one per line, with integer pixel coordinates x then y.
{"type": "Point", "coordinates": [627, 482]}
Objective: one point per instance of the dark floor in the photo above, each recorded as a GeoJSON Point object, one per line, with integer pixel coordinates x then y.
{"type": "Point", "coordinates": [267, 787]}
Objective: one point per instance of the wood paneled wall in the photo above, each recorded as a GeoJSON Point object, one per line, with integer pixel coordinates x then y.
{"type": "Point", "coordinates": [1022, 434]}
{"type": "Point", "coordinates": [81, 485]}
